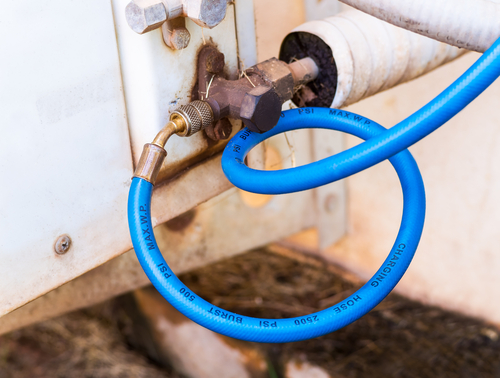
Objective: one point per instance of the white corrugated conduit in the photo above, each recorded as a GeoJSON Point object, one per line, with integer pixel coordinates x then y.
{"type": "Point", "coordinates": [371, 55]}
{"type": "Point", "coordinates": [469, 24]}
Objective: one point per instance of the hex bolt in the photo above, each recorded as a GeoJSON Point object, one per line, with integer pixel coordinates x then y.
{"type": "Point", "coordinates": [261, 109]}
{"type": "Point", "coordinates": [175, 34]}
{"type": "Point", "coordinates": [62, 245]}
{"type": "Point", "coordinates": [206, 13]}
{"type": "Point", "coordinates": [145, 15]}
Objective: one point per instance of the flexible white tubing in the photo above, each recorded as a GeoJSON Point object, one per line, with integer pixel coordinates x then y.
{"type": "Point", "coordinates": [469, 24]}
{"type": "Point", "coordinates": [372, 55]}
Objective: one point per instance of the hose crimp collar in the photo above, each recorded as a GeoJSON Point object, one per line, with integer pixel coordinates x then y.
{"type": "Point", "coordinates": [150, 163]}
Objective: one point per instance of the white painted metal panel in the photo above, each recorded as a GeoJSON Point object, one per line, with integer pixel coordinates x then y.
{"type": "Point", "coordinates": [247, 39]}
{"type": "Point", "coordinates": [65, 143]}
{"type": "Point", "coordinates": [64, 147]}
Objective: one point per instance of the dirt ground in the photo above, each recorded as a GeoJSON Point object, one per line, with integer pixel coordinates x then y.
{"type": "Point", "coordinates": [399, 338]}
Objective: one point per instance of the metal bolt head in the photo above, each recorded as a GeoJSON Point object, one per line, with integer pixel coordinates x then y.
{"type": "Point", "coordinates": [175, 34]}
{"type": "Point", "coordinates": [207, 13]}
{"type": "Point", "coordinates": [178, 38]}
{"type": "Point", "coordinates": [62, 245]}
{"type": "Point", "coordinates": [261, 109]}
{"type": "Point", "coordinates": [145, 15]}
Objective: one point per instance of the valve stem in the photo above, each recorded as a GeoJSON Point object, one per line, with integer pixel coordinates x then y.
{"type": "Point", "coordinates": [185, 121]}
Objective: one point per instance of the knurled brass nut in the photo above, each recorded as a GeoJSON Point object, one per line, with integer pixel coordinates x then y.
{"type": "Point", "coordinates": [197, 115]}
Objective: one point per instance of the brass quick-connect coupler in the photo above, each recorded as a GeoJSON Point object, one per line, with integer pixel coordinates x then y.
{"type": "Point", "coordinates": [185, 121]}
{"type": "Point", "coordinates": [197, 115]}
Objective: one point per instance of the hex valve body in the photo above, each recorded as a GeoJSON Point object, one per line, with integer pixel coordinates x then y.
{"type": "Point", "coordinates": [256, 98]}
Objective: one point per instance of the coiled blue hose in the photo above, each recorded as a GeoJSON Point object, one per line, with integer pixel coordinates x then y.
{"type": "Point", "coordinates": [380, 146]}
{"type": "Point", "coordinates": [303, 327]}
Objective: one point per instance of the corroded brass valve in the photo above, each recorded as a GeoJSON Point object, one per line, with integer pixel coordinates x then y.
{"type": "Point", "coordinates": [256, 99]}
{"type": "Point", "coordinates": [257, 96]}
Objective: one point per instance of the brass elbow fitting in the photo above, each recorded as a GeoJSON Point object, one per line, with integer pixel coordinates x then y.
{"type": "Point", "coordinates": [185, 121]}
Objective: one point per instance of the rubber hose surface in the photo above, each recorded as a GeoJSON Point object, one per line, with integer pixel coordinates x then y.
{"type": "Point", "coordinates": [303, 327]}
{"type": "Point", "coordinates": [409, 131]}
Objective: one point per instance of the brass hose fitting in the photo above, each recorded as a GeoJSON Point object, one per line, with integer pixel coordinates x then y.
{"type": "Point", "coordinates": [185, 121]}
{"type": "Point", "coordinates": [149, 165]}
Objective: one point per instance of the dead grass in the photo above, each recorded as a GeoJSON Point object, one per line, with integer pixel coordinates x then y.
{"type": "Point", "coordinates": [399, 338]}
{"type": "Point", "coordinates": [84, 344]}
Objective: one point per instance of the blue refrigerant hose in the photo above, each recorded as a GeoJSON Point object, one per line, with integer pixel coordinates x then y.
{"type": "Point", "coordinates": [381, 145]}
{"type": "Point", "coordinates": [303, 327]}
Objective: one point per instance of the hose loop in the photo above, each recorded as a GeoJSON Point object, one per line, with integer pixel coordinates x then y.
{"type": "Point", "coordinates": [302, 327]}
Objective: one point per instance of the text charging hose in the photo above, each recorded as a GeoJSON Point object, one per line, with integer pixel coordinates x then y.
{"type": "Point", "coordinates": [381, 144]}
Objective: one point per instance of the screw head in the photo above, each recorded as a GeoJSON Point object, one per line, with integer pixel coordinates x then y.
{"type": "Point", "coordinates": [62, 245]}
